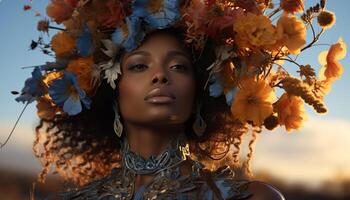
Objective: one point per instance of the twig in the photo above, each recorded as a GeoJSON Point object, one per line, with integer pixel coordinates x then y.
{"type": "Point", "coordinates": [313, 41]}
{"type": "Point", "coordinates": [56, 28]}
{"type": "Point", "coordinates": [290, 60]}
{"type": "Point", "coordinates": [274, 12]}
{"type": "Point", "coordinates": [19, 117]}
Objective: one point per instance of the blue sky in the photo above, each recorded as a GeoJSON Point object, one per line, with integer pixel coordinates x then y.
{"type": "Point", "coordinates": [18, 28]}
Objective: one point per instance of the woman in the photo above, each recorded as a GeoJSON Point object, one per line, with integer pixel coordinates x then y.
{"type": "Point", "coordinates": [156, 97]}
{"type": "Point", "coordinates": [142, 100]}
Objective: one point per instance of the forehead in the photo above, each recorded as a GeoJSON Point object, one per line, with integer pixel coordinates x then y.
{"type": "Point", "coordinates": [161, 43]}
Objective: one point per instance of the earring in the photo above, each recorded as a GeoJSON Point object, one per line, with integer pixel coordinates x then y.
{"type": "Point", "coordinates": [117, 125]}
{"type": "Point", "coordinates": [199, 124]}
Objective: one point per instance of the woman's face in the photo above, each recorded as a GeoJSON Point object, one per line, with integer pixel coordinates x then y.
{"type": "Point", "coordinates": [157, 86]}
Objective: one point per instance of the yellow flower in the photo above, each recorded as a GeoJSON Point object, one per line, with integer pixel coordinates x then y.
{"type": "Point", "coordinates": [62, 44]}
{"type": "Point", "coordinates": [253, 101]}
{"type": "Point", "coordinates": [292, 6]}
{"type": "Point", "coordinates": [82, 68]}
{"type": "Point", "coordinates": [226, 75]}
{"type": "Point", "coordinates": [332, 68]}
{"type": "Point", "coordinates": [49, 77]}
{"type": "Point", "coordinates": [254, 31]}
{"type": "Point", "coordinates": [291, 32]}
{"type": "Point", "coordinates": [46, 109]}
{"type": "Point", "coordinates": [326, 19]}
{"type": "Point", "coordinates": [290, 110]}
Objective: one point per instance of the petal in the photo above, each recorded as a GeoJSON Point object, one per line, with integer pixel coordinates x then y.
{"type": "Point", "coordinates": [86, 101]}
{"type": "Point", "coordinates": [166, 16]}
{"type": "Point", "coordinates": [215, 89]}
{"type": "Point", "coordinates": [72, 105]}
{"type": "Point", "coordinates": [25, 98]}
{"type": "Point", "coordinates": [58, 91]}
{"type": "Point", "coordinates": [135, 35]}
{"type": "Point", "coordinates": [112, 48]}
{"type": "Point", "coordinates": [36, 74]}
{"type": "Point", "coordinates": [138, 8]}
{"type": "Point", "coordinates": [230, 96]}
{"type": "Point", "coordinates": [322, 57]}
{"type": "Point", "coordinates": [84, 42]}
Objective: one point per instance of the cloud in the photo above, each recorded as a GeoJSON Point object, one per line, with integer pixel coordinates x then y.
{"type": "Point", "coordinates": [313, 154]}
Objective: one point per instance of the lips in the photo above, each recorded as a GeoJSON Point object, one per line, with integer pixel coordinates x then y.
{"type": "Point", "coordinates": [159, 95]}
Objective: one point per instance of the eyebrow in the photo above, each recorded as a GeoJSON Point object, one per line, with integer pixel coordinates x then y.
{"type": "Point", "coordinates": [170, 54]}
{"type": "Point", "coordinates": [145, 53]}
{"type": "Point", "coordinates": [178, 53]}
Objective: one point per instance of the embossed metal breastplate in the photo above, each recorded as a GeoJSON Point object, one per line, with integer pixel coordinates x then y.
{"type": "Point", "coordinates": [168, 183]}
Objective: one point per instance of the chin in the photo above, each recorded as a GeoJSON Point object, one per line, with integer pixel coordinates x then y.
{"type": "Point", "coordinates": [166, 119]}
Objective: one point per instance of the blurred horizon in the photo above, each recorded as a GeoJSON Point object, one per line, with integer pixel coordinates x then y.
{"type": "Point", "coordinates": [315, 155]}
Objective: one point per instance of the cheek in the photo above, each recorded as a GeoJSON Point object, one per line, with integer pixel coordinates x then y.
{"type": "Point", "coordinates": [186, 91]}
{"type": "Point", "coordinates": [130, 94]}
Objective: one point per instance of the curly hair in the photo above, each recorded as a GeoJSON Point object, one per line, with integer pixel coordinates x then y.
{"type": "Point", "coordinates": [84, 147]}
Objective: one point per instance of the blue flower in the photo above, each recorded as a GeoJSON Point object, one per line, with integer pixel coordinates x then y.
{"type": "Point", "coordinates": [158, 14]}
{"type": "Point", "coordinates": [139, 8]}
{"type": "Point", "coordinates": [129, 36]}
{"type": "Point", "coordinates": [165, 16]}
{"type": "Point", "coordinates": [33, 88]}
{"type": "Point", "coordinates": [84, 42]}
{"type": "Point", "coordinates": [216, 90]}
{"type": "Point", "coordinates": [230, 95]}
{"type": "Point", "coordinates": [67, 94]}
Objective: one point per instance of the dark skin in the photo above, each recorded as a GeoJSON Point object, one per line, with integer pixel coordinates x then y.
{"type": "Point", "coordinates": [151, 123]}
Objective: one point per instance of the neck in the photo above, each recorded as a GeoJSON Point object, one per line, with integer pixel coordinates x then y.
{"type": "Point", "coordinates": [150, 140]}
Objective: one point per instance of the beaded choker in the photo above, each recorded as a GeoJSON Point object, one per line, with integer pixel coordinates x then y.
{"type": "Point", "coordinates": [175, 153]}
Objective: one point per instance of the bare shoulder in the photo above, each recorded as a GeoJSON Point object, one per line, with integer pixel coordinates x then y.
{"type": "Point", "coordinates": [264, 191]}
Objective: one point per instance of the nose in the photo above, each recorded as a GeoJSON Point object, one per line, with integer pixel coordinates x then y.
{"type": "Point", "coordinates": [160, 77]}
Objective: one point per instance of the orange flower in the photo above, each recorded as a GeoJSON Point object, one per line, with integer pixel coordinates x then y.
{"type": "Point", "coordinates": [254, 31]}
{"type": "Point", "coordinates": [332, 68]}
{"type": "Point", "coordinates": [291, 33]}
{"type": "Point", "coordinates": [113, 14]}
{"type": "Point", "coordinates": [82, 68]}
{"type": "Point", "coordinates": [253, 101]}
{"type": "Point", "coordinates": [62, 44]}
{"type": "Point", "coordinates": [292, 6]}
{"type": "Point", "coordinates": [60, 10]}
{"type": "Point", "coordinates": [290, 110]}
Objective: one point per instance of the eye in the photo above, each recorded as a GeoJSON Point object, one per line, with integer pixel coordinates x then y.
{"type": "Point", "coordinates": [138, 67]}
{"type": "Point", "coordinates": [180, 67]}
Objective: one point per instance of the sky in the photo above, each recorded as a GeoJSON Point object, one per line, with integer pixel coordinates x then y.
{"type": "Point", "coordinates": [316, 152]}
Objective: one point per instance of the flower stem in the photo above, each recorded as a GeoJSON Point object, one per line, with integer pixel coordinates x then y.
{"type": "Point", "coordinates": [19, 117]}
{"type": "Point", "coordinates": [56, 28]}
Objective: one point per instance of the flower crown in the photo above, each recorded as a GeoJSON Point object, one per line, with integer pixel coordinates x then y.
{"type": "Point", "coordinates": [252, 45]}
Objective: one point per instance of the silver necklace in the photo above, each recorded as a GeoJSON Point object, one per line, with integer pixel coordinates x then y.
{"type": "Point", "coordinates": [175, 153]}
